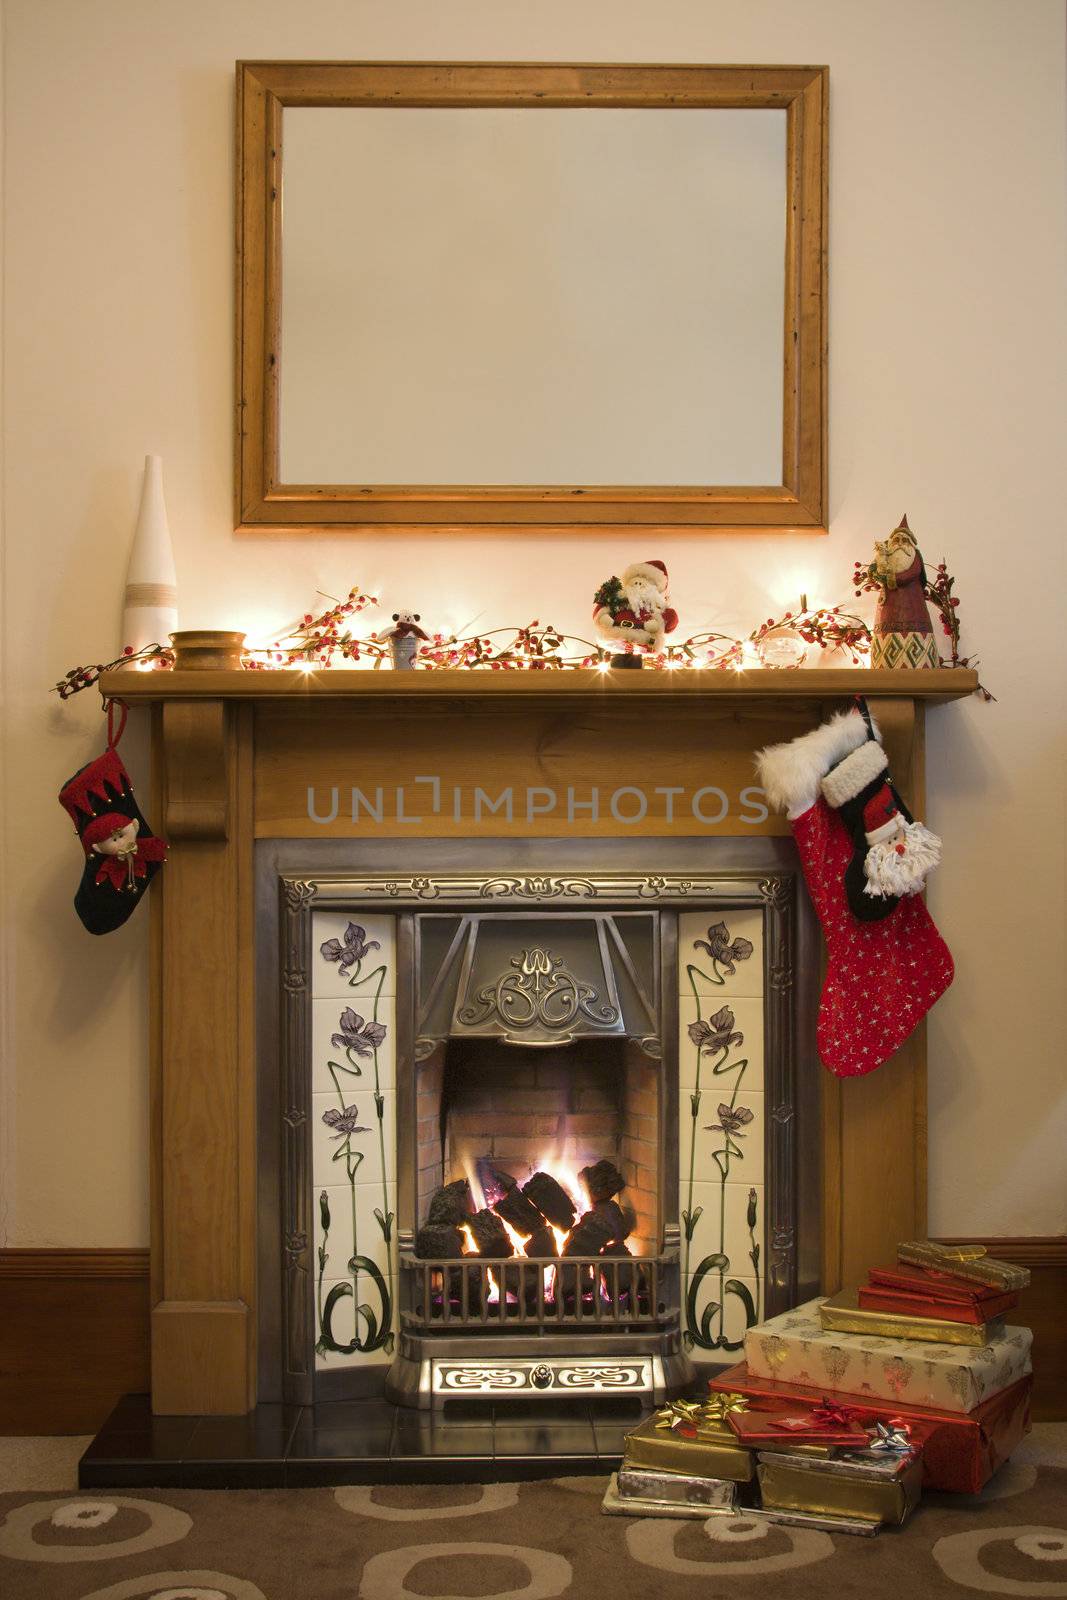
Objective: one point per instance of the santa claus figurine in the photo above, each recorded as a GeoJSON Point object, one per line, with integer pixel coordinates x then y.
{"type": "Point", "coordinates": [633, 609]}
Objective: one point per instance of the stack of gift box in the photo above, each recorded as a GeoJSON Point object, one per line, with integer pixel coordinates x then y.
{"type": "Point", "coordinates": [846, 1408]}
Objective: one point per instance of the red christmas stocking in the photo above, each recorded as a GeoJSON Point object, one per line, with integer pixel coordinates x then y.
{"type": "Point", "coordinates": [122, 854]}
{"type": "Point", "coordinates": [887, 964]}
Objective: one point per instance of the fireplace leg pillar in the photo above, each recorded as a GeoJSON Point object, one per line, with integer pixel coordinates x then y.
{"type": "Point", "coordinates": [203, 1097]}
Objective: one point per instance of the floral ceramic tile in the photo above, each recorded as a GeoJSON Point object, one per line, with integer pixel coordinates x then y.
{"type": "Point", "coordinates": [353, 1045]}
{"type": "Point", "coordinates": [721, 951]}
{"type": "Point", "coordinates": [353, 1136]}
{"type": "Point", "coordinates": [722, 1242]}
{"type": "Point", "coordinates": [355, 1143]}
{"type": "Point", "coordinates": [352, 953]}
{"type": "Point", "coordinates": [720, 1042]}
{"type": "Point", "coordinates": [721, 1135]}
{"type": "Point", "coordinates": [718, 1314]}
{"type": "Point", "coordinates": [359, 1223]}
{"type": "Point", "coordinates": [720, 1170]}
{"type": "Point", "coordinates": [727, 1220]}
{"type": "Point", "coordinates": [343, 1344]}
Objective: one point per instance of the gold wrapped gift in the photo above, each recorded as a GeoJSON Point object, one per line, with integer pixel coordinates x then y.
{"type": "Point", "coordinates": [693, 1438]}
{"type": "Point", "coordinates": [842, 1313]}
{"type": "Point", "coordinates": [964, 1261]}
{"type": "Point", "coordinates": [829, 1488]}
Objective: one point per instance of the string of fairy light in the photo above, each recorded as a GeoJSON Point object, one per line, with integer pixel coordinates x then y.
{"type": "Point", "coordinates": [331, 640]}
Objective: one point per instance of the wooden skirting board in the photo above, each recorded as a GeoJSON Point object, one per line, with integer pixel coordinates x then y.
{"type": "Point", "coordinates": [74, 1332]}
{"type": "Point", "coordinates": [1042, 1307]}
{"type": "Point", "coordinates": [73, 1337]}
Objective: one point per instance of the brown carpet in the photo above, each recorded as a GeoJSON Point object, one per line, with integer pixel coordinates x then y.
{"type": "Point", "coordinates": [514, 1542]}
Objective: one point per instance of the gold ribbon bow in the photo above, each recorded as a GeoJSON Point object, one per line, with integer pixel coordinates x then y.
{"type": "Point", "coordinates": [688, 1416]}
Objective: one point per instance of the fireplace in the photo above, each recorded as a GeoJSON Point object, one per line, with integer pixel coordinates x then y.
{"type": "Point", "coordinates": [240, 756]}
{"type": "Point", "coordinates": [541, 1134]}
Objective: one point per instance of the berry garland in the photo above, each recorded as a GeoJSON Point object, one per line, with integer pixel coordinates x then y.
{"type": "Point", "coordinates": [318, 642]}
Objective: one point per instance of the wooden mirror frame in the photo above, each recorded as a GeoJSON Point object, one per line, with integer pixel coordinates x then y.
{"type": "Point", "coordinates": [265, 88]}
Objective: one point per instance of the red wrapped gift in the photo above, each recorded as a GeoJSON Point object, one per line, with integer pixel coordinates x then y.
{"type": "Point", "coordinates": [923, 1292]}
{"type": "Point", "coordinates": [827, 1423]}
{"type": "Point", "coordinates": [961, 1450]}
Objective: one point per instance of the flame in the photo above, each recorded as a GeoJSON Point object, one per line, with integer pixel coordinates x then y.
{"type": "Point", "coordinates": [494, 1289]}
{"type": "Point", "coordinates": [519, 1241]}
{"type": "Point", "coordinates": [471, 1247]}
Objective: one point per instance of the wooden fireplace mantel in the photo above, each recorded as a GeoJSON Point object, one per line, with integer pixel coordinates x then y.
{"type": "Point", "coordinates": [592, 686]}
{"type": "Point", "coordinates": [233, 755]}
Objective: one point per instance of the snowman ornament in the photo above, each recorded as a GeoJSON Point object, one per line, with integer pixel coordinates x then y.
{"type": "Point", "coordinates": [634, 609]}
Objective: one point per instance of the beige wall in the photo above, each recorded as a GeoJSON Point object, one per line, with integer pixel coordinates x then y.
{"type": "Point", "coordinates": [947, 360]}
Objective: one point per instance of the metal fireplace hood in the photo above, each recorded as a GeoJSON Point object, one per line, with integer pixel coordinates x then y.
{"type": "Point", "coordinates": [537, 980]}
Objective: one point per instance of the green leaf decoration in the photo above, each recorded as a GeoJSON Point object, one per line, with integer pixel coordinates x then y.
{"type": "Point", "coordinates": [741, 1290]}
{"type": "Point", "coordinates": [387, 1344]}
{"type": "Point", "coordinates": [694, 1101]}
{"type": "Point", "coordinates": [700, 1329]}
{"type": "Point", "coordinates": [689, 1222]}
{"type": "Point", "coordinates": [385, 1223]}
{"type": "Point", "coordinates": [379, 1104]}
{"type": "Point", "coordinates": [371, 1342]}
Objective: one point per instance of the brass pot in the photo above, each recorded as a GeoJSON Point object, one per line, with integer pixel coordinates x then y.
{"type": "Point", "coordinates": [207, 650]}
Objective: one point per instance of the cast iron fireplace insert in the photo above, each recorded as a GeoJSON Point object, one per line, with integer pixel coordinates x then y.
{"type": "Point", "coordinates": [540, 1021]}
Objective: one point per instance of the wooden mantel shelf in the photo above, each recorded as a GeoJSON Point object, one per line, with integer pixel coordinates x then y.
{"type": "Point", "coordinates": [818, 683]}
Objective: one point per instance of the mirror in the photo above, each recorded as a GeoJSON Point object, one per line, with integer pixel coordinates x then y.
{"type": "Point", "coordinates": [546, 296]}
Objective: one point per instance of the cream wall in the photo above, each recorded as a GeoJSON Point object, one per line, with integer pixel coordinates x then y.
{"type": "Point", "coordinates": [948, 326]}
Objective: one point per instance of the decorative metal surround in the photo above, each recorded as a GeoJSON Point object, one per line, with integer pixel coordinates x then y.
{"type": "Point", "coordinates": [549, 1378]}
{"type": "Point", "coordinates": [774, 894]}
{"type": "Point", "coordinates": [539, 997]}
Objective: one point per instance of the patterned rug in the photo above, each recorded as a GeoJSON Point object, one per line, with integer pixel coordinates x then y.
{"type": "Point", "coordinates": [517, 1542]}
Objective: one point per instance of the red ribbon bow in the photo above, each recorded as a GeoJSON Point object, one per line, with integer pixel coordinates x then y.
{"type": "Point", "coordinates": [830, 1414]}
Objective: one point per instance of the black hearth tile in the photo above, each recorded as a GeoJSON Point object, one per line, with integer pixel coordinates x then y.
{"type": "Point", "coordinates": [343, 1430]}
{"type": "Point", "coordinates": [442, 1469]}
{"type": "Point", "coordinates": [554, 1408]}
{"type": "Point", "coordinates": [544, 1438]}
{"type": "Point", "coordinates": [262, 1435]}
{"type": "Point", "coordinates": [528, 1469]}
{"type": "Point", "coordinates": [326, 1473]}
{"type": "Point", "coordinates": [421, 1434]}
{"type": "Point", "coordinates": [470, 1411]}
{"type": "Point", "coordinates": [330, 1415]}
{"type": "Point", "coordinates": [100, 1473]}
{"type": "Point", "coordinates": [249, 1474]}
{"type": "Point", "coordinates": [153, 1439]}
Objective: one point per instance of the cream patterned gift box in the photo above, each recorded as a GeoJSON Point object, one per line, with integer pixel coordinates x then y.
{"type": "Point", "coordinates": [794, 1348]}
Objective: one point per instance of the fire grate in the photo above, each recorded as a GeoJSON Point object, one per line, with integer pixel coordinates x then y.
{"type": "Point", "coordinates": [532, 1295]}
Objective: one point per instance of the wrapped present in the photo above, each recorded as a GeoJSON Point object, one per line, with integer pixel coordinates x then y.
{"type": "Point", "coordinates": [959, 1453]}
{"type": "Point", "coordinates": [883, 1488]}
{"type": "Point", "coordinates": [828, 1424]}
{"type": "Point", "coordinates": [672, 1488]}
{"type": "Point", "coordinates": [964, 1261]}
{"type": "Point", "coordinates": [796, 1348]}
{"type": "Point", "coordinates": [924, 1292]}
{"type": "Point", "coordinates": [843, 1313]}
{"type": "Point", "coordinates": [692, 1438]}
{"type": "Point", "coordinates": [617, 1504]}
